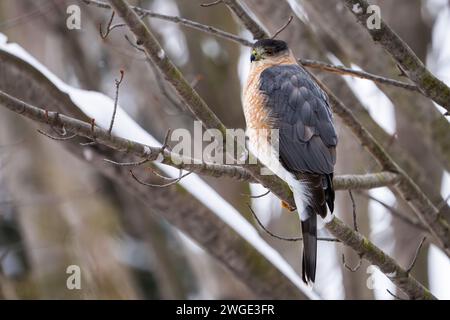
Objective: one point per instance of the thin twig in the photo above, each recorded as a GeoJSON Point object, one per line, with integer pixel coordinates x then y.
{"type": "Point", "coordinates": [205, 5]}
{"type": "Point", "coordinates": [257, 31]}
{"type": "Point", "coordinates": [282, 28]}
{"type": "Point", "coordinates": [127, 164]}
{"type": "Point", "coordinates": [109, 28]}
{"type": "Point", "coordinates": [116, 100]}
{"type": "Point", "coordinates": [392, 294]}
{"type": "Point", "coordinates": [57, 138]}
{"type": "Point", "coordinates": [134, 45]}
{"type": "Point", "coordinates": [280, 237]}
{"type": "Point", "coordinates": [156, 173]}
{"type": "Point", "coordinates": [179, 105]}
{"type": "Point", "coordinates": [352, 269]}
{"type": "Point", "coordinates": [413, 262]}
{"type": "Point", "coordinates": [305, 62]}
{"type": "Point", "coordinates": [357, 73]}
{"type": "Point", "coordinates": [62, 136]}
{"type": "Point", "coordinates": [165, 145]}
{"type": "Point", "coordinates": [355, 224]}
{"type": "Point", "coordinates": [398, 214]}
{"type": "Point", "coordinates": [185, 22]}
{"type": "Point", "coordinates": [256, 197]}
{"type": "Point", "coordinates": [87, 144]}
{"type": "Point", "coordinates": [160, 185]}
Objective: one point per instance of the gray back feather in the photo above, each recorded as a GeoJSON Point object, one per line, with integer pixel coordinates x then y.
{"type": "Point", "coordinates": [300, 110]}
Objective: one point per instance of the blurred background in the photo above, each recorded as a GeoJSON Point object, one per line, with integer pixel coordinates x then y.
{"type": "Point", "coordinates": [56, 210]}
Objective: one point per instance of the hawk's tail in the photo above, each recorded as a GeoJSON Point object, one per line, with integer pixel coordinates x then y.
{"type": "Point", "coordinates": [319, 192]}
{"type": "Point", "coordinates": [309, 234]}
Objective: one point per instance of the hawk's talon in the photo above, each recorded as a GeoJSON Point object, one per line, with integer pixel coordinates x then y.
{"type": "Point", "coordinates": [286, 205]}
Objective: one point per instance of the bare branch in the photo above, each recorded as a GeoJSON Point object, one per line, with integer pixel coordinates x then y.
{"type": "Point", "coordinates": [175, 181]}
{"type": "Point", "coordinates": [409, 63]}
{"type": "Point", "coordinates": [413, 262]}
{"type": "Point", "coordinates": [294, 239]}
{"type": "Point", "coordinates": [185, 22]}
{"type": "Point", "coordinates": [265, 277]}
{"type": "Point", "coordinates": [109, 28]}
{"type": "Point", "coordinates": [409, 219]}
{"type": "Point", "coordinates": [127, 164]}
{"type": "Point", "coordinates": [257, 31]}
{"type": "Point", "coordinates": [57, 138]}
{"type": "Point", "coordinates": [357, 73]}
{"type": "Point", "coordinates": [228, 36]}
{"type": "Point", "coordinates": [352, 269]}
{"type": "Point", "coordinates": [365, 181]}
{"type": "Point", "coordinates": [258, 196]}
{"type": "Point", "coordinates": [367, 250]}
{"type": "Point", "coordinates": [355, 224]}
{"type": "Point", "coordinates": [282, 28]}
{"type": "Point", "coordinates": [392, 294]}
{"type": "Point", "coordinates": [205, 5]}
{"type": "Point", "coordinates": [116, 100]}
{"type": "Point", "coordinates": [336, 227]}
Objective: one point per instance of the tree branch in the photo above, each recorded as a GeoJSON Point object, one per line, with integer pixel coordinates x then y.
{"type": "Point", "coordinates": [102, 136]}
{"type": "Point", "coordinates": [357, 73]}
{"type": "Point", "coordinates": [409, 219]}
{"type": "Point", "coordinates": [365, 181]}
{"type": "Point", "coordinates": [229, 36]}
{"type": "Point", "coordinates": [367, 250]}
{"type": "Point", "coordinates": [431, 86]}
{"type": "Point", "coordinates": [257, 31]}
{"type": "Point", "coordinates": [245, 259]}
{"type": "Point", "coordinates": [151, 153]}
{"type": "Point", "coordinates": [185, 22]}
{"type": "Point", "coordinates": [192, 99]}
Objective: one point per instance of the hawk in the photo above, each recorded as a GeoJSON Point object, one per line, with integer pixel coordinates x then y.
{"type": "Point", "coordinates": [280, 96]}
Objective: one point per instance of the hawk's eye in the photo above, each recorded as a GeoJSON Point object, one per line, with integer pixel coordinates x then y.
{"type": "Point", "coordinates": [269, 52]}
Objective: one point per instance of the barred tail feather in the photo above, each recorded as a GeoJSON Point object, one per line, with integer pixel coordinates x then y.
{"type": "Point", "coordinates": [309, 234]}
{"type": "Point", "coordinates": [311, 199]}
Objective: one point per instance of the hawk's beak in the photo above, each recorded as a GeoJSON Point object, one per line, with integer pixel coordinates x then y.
{"type": "Point", "coordinates": [252, 57]}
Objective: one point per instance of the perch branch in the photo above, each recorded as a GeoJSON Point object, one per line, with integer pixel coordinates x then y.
{"type": "Point", "coordinates": [84, 129]}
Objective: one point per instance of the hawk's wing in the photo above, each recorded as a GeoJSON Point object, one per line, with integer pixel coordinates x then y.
{"type": "Point", "coordinates": [300, 110]}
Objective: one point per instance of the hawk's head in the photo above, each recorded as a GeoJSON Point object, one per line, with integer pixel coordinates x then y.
{"type": "Point", "coordinates": [268, 48]}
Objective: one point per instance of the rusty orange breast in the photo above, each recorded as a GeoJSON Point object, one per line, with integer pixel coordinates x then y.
{"type": "Point", "coordinates": [255, 110]}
